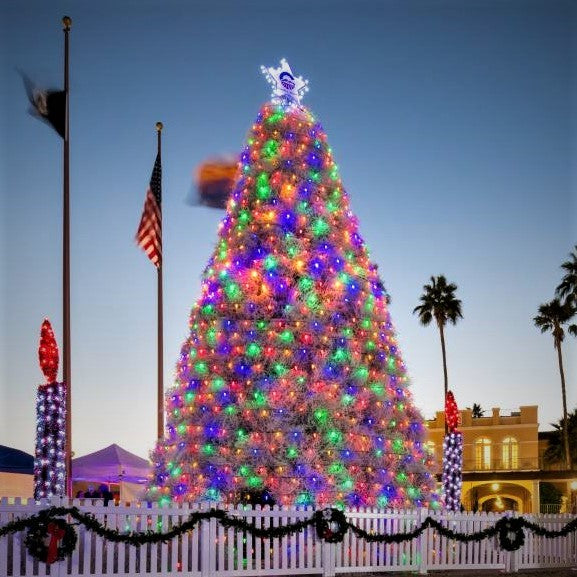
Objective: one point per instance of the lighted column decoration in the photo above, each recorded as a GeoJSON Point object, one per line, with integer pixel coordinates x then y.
{"type": "Point", "coordinates": [291, 384]}
{"type": "Point", "coordinates": [452, 456]}
{"type": "Point", "coordinates": [49, 459]}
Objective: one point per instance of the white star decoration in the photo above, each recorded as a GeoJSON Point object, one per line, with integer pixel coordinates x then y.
{"type": "Point", "coordinates": [287, 89]}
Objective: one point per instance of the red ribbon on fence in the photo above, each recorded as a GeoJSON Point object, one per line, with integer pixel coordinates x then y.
{"type": "Point", "coordinates": [56, 533]}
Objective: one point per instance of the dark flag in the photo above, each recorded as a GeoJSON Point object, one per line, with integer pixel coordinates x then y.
{"type": "Point", "coordinates": [149, 235]}
{"type": "Point", "coordinates": [215, 180]}
{"type": "Point", "coordinates": [48, 105]}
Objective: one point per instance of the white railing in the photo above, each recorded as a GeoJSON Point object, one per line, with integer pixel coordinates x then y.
{"type": "Point", "coordinates": [212, 550]}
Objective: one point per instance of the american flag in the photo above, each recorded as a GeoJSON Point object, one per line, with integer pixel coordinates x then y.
{"type": "Point", "coordinates": [149, 235]}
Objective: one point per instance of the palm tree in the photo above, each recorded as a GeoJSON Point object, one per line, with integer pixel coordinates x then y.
{"type": "Point", "coordinates": [551, 317]}
{"type": "Point", "coordinates": [477, 411]}
{"type": "Point", "coordinates": [555, 451]}
{"type": "Point", "coordinates": [567, 288]}
{"type": "Point", "coordinates": [438, 302]}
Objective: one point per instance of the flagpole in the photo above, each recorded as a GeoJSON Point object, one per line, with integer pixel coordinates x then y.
{"type": "Point", "coordinates": [67, 22]}
{"type": "Point", "coordinates": [160, 363]}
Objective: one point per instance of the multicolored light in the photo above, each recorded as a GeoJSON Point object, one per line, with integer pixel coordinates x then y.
{"type": "Point", "coordinates": [291, 381]}
{"type": "Point", "coordinates": [49, 459]}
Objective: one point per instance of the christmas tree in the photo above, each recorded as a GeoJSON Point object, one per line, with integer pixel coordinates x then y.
{"type": "Point", "coordinates": [291, 384]}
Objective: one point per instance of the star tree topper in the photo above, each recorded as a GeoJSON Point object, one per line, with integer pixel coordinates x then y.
{"type": "Point", "coordinates": [287, 89]}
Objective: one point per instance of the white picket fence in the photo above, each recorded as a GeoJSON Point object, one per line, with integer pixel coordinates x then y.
{"type": "Point", "coordinates": [211, 550]}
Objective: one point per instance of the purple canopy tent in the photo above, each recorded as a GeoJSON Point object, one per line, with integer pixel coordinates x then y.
{"type": "Point", "coordinates": [113, 464]}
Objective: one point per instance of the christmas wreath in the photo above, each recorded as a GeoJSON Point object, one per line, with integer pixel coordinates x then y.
{"type": "Point", "coordinates": [50, 540]}
{"type": "Point", "coordinates": [331, 525]}
{"type": "Point", "coordinates": [511, 534]}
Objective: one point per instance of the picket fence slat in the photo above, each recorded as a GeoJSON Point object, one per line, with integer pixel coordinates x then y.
{"type": "Point", "coordinates": [211, 550]}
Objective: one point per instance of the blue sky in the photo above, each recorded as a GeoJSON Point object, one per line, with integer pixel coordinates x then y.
{"type": "Point", "coordinates": [454, 127]}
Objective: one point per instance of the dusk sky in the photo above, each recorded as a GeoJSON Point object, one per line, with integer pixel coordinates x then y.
{"type": "Point", "coordinates": [454, 127]}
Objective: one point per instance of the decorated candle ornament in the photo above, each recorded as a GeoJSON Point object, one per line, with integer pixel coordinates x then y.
{"type": "Point", "coordinates": [48, 352]}
{"type": "Point", "coordinates": [452, 477]}
{"type": "Point", "coordinates": [291, 384]}
{"type": "Point", "coordinates": [451, 412]}
{"type": "Point", "coordinates": [49, 457]}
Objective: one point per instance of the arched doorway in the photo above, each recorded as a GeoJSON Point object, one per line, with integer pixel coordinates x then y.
{"type": "Point", "coordinates": [497, 496]}
{"type": "Point", "coordinates": [499, 503]}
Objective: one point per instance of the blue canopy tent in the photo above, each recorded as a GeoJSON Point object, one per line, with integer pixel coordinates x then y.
{"type": "Point", "coordinates": [16, 473]}
{"type": "Point", "coordinates": [15, 461]}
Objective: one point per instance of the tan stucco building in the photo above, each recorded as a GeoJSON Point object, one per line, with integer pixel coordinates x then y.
{"type": "Point", "coordinates": [502, 461]}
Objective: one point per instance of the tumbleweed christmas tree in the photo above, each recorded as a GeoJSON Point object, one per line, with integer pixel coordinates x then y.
{"type": "Point", "coordinates": [291, 382]}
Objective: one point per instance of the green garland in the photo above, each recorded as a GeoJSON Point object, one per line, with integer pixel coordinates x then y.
{"type": "Point", "coordinates": [331, 526]}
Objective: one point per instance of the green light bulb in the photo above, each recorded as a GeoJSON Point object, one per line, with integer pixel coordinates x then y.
{"type": "Point", "coordinates": [260, 399]}
{"type": "Point", "coordinates": [253, 350]}
{"type": "Point", "coordinates": [208, 310]}
{"type": "Point", "coordinates": [336, 468]}
{"type": "Point", "coordinates": [378, 389]}
{"type": "Point", "coordinates": [306, 284]}
{"type": "Point", "coordinates": [254, 481]}
{"type": "Point", "coordinates": [279, 369]}
{"type": "Point", "coordinates": [398, 445]}
{"type": "Point", "coordinates": [347, 400]}
{"type": "Point", "coordinates": [287, 337]}
{"type": "Point", "coordinates": [292, 452]}
{"type": "Point", "coordinates": [211, 337]}
{"type": "Point", "coordinates": [334, 436]}
{"type": "Point", "coordinates": [201, 368]}
{"type": "Point", "coordinates": [232, 291]}
{"type": "Point", "coordinates": [321, 415]}
{"type": "Point", "coordinates": [270, 148]}
{"type": "Point", "coordinates": [362, 373]}
{"type": "Point", "coordinates": [217, 383]}
{"type": "Point", "coordinates": [320, 227]}
{"type": "Point", "coordinates": [244, 217]}
{"type": "Point", "coordinates": [270, 262]}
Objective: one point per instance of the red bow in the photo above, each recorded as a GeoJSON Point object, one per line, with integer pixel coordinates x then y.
{"type": "Point", "coordinates": [56, 534]}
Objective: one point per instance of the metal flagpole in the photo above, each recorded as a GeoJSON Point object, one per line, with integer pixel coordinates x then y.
{"type": "Point", "coordinates": [67, 22]}
{"type": "Point", "coordinates": [160, 384]}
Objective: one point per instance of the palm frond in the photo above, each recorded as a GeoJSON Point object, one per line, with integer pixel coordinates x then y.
{"type": "Point", "coordinates": [438, 302]}
{"type": "Point", "coordinates": [567, 288]}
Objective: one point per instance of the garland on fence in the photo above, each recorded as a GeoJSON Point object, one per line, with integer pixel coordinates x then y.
{"type": "Point", "coordinates": [52, 538]}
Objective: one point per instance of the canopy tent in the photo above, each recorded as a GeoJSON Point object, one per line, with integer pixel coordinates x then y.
{"type": "Point", "coordinates": [16, 473]}
{"type": "Point", "coordinates": [15, 461]}
{"type": "Point", "coordinates": [112, 465]}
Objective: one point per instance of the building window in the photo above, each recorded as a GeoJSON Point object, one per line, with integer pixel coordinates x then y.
{"type": "Point", "coordinates": [510, 453]}
{"type": "Point", "coordinates": [483, 453]}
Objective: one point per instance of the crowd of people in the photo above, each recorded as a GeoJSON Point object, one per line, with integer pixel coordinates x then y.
{"type": "Point", "coordinates": [103, 493]}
